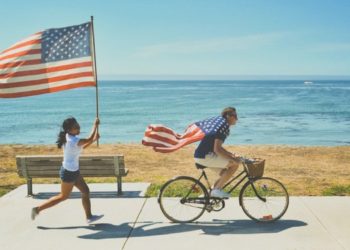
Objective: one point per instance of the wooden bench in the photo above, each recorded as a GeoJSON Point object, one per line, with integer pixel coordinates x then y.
{"type": "Point", "coordinates": [48, 166]}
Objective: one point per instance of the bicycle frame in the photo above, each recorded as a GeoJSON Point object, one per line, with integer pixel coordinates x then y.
{"type": "Point", "coordinates": [243, 172]}
{"type": "Point", "coordinates": [229, 182]}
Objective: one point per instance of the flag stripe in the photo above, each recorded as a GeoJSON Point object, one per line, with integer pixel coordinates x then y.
{"type": "Point", "coordinates": [47, 70]}
{"type": "Point", "coordinates": [32, 78]}
{"type": "Point", "coordinates": [21, 53]}
{"type": "Point", "coordinates": [178, 146]}
{"type": "Point", "coordinates": [36, 64]}
{"type": "Point", "coordinates": [161, 128]}
{"type": "Point", "coordinates": [158, 137]}
{"type": "Point", "coordinates": [46, 80]}
{"type": "Point", "coordinates": [155, 143]}
{"type": "Point", "coordinates": [48, 90]}
{"type": "Point", "coordinates": [191, 131]}
{"type": "Point", "coordinates": [163, 133]}
{"type": "Point", "coordinates": [47, 85]}
{"type": "Point", "coordinates": [15, 64]}
{"type": "Point", "coordinates": [22, 58]}
{"type": "Point", "coordinates": [36, 38]}
{"type": "Point", "coordinates": [21, 48]}
{"type": "Point", "coordinates": [165, 140]}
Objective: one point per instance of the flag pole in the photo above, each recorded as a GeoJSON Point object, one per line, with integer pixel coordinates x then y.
{"type": "Point", "coordinates": [93, 51]}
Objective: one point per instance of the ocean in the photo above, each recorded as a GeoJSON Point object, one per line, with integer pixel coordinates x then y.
{"type": "Point", "coordinates": [270, 112]}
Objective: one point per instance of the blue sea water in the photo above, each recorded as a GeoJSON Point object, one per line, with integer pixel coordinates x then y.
{"type": "Point", "coordinates": [270, 112]}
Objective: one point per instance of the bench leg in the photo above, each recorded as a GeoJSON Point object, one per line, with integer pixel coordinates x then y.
{"type": "Point", "coordinates": [30, 187]}
{"type": "Point", "coordinates": [119, 179]}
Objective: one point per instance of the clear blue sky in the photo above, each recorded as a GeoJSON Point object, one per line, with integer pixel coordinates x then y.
{"type": "Point", "coordinates": [198, 37]}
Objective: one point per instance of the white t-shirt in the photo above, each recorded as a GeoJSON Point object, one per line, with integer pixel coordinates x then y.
{"type": "Point", "coordinates": [71, 153]}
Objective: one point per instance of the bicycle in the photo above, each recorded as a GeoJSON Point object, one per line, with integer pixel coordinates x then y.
{"type": "Point", "coordinates": [184, 199]}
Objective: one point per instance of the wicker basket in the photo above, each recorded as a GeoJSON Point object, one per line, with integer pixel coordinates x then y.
{"type": "Point", "coordinates": [256, 168]}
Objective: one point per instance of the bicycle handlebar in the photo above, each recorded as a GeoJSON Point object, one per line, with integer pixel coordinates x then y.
{"type": "Point", "coordinates": [246, 160]}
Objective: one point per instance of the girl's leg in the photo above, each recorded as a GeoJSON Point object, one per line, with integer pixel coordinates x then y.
{"type": "Point", "coordinates": [66, 189]}
{"type": "Point", "coordinates": [85, 195]}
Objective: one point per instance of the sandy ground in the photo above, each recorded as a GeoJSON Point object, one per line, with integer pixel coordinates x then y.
{"type": "Point", "coordinates": [304, 170]}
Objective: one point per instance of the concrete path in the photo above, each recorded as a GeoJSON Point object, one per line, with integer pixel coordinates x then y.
{"type": "Point", "coordinates": [132, 222]}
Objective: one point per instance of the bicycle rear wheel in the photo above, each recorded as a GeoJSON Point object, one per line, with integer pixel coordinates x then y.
{"type": "Point", "coordinates": [264, 199]}
{"type": "Point", "coordinates": [183, 199]}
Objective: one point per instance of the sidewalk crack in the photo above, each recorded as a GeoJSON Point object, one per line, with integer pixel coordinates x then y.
{"type": "Point", "coordinates": [134, 224]}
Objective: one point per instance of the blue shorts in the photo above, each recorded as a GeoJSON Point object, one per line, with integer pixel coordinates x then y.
{"type": "Point", "coordinates": [69, 176]}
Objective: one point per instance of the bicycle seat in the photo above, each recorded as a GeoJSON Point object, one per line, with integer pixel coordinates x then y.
{"type": "Point", "coordinates": [199, 166]}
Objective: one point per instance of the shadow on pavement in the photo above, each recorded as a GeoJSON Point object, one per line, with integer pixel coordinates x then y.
{"type": "Point", "coordinates": [216, 227]}
{"type": "Point", "coordinates": [93, 195]}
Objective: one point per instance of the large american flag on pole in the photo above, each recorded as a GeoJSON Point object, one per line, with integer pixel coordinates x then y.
{"type": "Point", "coordinates": [48, 61]}
{"type": "Point", "coordinates": [166, 140]}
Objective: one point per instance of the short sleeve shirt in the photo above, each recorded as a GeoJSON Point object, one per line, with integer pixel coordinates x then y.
{"type": "Point", "coordinates": [71, 153]}
{"type": "Point", "coordinates": [220, 131]}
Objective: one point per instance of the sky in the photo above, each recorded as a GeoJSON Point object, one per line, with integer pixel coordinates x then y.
{"type": "Point", "coordinates": [213, 39]}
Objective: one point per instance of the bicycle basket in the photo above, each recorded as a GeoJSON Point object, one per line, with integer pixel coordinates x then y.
{"type": "Point", "coordinates": [256, 168]}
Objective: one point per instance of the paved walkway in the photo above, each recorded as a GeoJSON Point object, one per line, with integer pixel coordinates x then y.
{"type": "Point", "coordinates": [132, 222]}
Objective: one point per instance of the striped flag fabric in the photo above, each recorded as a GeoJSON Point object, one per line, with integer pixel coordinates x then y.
{"type": "Point", "coordinates": [166, 140]}
{"type": "Point", "coordinates": [48, 61]}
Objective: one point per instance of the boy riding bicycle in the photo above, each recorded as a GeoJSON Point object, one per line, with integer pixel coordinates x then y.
{"type": "Point", "coordinates": [210, 152]}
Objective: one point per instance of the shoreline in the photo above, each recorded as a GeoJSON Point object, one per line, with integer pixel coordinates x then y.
{"type": "Point", "coordinates": [305, 170]}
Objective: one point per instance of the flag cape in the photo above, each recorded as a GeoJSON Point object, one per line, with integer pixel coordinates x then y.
{"type": "Point", "coordinates": [166, 140]}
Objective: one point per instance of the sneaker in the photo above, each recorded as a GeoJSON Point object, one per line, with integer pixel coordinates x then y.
{"type": "Point", "coordinates": [219, 193]}
{"type": "Point", "coordinates": [34, 213]}
{"type": "Point", "coordinates": [93, 218]}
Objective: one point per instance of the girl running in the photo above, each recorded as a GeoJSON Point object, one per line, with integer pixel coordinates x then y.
{"type": "Point", "coordinates": [69, 172]}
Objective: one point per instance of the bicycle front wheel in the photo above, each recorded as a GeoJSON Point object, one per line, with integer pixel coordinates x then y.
{"type": "Point", "coordinates": [264, 199]}
{"type": "Point", "coordinates": [183, 199]}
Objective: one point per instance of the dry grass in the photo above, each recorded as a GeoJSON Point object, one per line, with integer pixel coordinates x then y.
{"type": "Point", "coordinates": [304, 170]}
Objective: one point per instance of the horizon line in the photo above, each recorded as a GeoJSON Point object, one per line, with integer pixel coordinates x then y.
{"type": "Point", "coordinates": [222, 77]}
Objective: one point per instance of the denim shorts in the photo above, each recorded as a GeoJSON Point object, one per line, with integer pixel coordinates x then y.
{"type": "Point", "coordinates": [69, 176]}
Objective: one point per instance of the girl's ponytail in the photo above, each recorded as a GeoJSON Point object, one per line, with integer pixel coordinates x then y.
{"type": "Point", "coordinates": [61, 139]}
{"type": "Point", "coordinates": [66, 126]}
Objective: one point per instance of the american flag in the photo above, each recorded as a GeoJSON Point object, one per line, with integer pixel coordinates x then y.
{"type": "Point", "coordinates": [166, 140]}
{"type": "Point", "coordinates": [48, 61]}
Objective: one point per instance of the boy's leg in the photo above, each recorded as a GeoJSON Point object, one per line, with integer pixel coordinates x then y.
{"type": "Point", "coordinates": [226, 174]}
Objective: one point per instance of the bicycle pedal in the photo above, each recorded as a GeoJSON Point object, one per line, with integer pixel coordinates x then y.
{"type": "Point", "coordinates": [209, 209]}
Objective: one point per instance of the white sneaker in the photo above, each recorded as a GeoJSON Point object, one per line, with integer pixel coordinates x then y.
{"type": "Point", "coordinates": [219, 193]}
{"type": "Point", "coordinates": [34, 213]}
{"type": "Point", "coordinates": [93, 218]}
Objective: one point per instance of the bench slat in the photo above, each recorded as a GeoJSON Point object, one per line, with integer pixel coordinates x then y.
{"type": "Point", "coordinates": [55, 173]}
{"type": "Point", "coordinates": [31, 162]}
{"type": "Point", "coordinates": [81, 164]}
{"type": "Point", "coordinates": [59, 161]}
{"type": "Point", "coordinates": [56, 167]}
{"type": "Point", "coordinates": [94, 174]}
{"type": "Point", "coordinates": [109, 172]}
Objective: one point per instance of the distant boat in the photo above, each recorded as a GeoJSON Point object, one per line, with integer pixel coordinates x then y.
{"type": "Point", "coordinates": [308, 82]}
